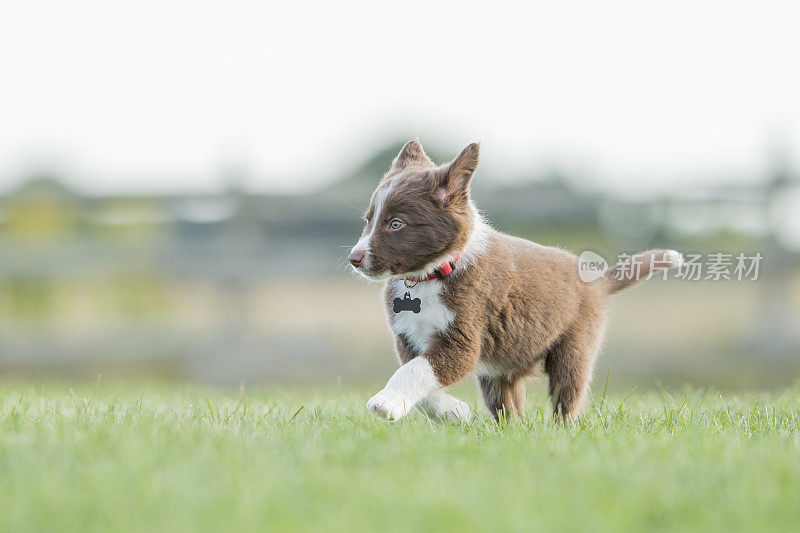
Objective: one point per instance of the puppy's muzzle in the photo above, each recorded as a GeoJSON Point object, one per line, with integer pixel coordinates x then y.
{"type": "Point", "coordinates": [356, 258]}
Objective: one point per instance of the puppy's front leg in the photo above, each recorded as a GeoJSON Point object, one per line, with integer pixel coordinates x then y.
{"type": "Point", "coordinates": [442, 406]}
{"type": "Point", "coordinates": [411, 383]}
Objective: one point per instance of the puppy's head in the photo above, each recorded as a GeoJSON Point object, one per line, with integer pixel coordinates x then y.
{"type": "Point", "coordinates": [419, 215]}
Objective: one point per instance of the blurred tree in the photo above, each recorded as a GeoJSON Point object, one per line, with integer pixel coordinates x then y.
{"type": "Point", "coordinates": [42, 209]}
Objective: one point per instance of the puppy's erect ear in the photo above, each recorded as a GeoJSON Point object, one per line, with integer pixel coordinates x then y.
{"type": "Point", "coordinates": [411, 153]}
{"type": "Point", "coordinates": [451, 183]}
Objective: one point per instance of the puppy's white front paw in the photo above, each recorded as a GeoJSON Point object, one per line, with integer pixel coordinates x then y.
{"type": "Point", "coordinates": [388, 406]}
{"type": "Point", "coordinates": [442, 406]}
{"type": "Point", "coordinates": [457, 411]}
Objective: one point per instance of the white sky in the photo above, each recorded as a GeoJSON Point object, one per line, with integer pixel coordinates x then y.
{"type": "Point", "coordinates": [162, 95]}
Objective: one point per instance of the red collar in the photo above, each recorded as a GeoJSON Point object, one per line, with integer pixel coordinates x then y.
{"type": "Point", "coordinates": [440, 272]}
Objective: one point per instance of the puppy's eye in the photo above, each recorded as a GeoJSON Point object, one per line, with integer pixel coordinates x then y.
{"type": "Point", "coordinates": [396, 224]}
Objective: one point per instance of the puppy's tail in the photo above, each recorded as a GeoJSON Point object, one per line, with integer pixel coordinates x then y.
{"type": "Point", "coordinates": [639, 267]}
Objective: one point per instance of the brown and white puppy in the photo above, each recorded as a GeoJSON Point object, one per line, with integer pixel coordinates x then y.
{"type": "Point", "coordinates": [509, 309]}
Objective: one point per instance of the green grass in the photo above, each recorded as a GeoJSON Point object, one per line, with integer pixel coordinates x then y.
{"type": "Point", "coordinates": [165, 459]}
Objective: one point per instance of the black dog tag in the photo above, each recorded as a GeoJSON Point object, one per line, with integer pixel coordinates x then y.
{"type": "Point", "coordinates": [407, 304]}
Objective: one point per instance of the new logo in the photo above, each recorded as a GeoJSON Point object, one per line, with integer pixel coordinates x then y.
{"type": "Point", "coordinates": [591, 266]}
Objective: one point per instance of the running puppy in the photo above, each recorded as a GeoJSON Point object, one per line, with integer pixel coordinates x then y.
{"type": "Point", "coordinates": [462, 297]}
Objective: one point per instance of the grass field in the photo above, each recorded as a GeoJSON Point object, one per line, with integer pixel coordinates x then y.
{"type": "Point", "coordinates": [158, 458]}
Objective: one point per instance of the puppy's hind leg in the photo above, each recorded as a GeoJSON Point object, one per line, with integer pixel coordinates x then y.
{"type": "Point", "coordinates": [569, 365]}
{"type": "Point", "coordinates": [520, 396]}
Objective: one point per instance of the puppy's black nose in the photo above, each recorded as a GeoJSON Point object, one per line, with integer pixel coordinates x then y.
{"type": "Point", "coordinates": [356, 258]}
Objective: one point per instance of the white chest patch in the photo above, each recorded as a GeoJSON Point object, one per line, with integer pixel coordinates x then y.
{"type": "Point", "coordinates": [434, 316]}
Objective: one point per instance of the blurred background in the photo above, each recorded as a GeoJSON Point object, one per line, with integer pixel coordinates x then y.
{"type": "Point", "coordinates": [180, 183]}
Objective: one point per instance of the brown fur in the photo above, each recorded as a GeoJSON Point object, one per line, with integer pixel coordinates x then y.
{"type": "Point", "coordinates": [519, 307]}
